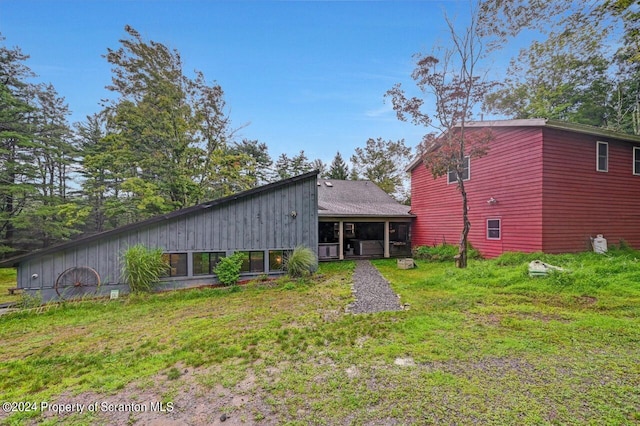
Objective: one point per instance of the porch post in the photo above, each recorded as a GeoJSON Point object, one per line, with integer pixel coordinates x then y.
{"type": "Point", "coordinates": [341, 239]}
{"type": "Point", "coordinates": [386, 239]}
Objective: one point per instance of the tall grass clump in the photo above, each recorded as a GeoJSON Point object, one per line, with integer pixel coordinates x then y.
{"type": "Point", "coordinates": [143, 267]}
{"type": "Point", "coordinates": [228, 269]}
{"type": "Point", "coordinates": [301, 262]}
{"type": "Point", "coordinates": [442, 253]}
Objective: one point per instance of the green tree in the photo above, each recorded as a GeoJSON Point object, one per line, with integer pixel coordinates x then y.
{"type": "Point", "coordinates": [338, 169]}
{"type": "Point", "coordinates": [17, 170]}
{"type": "Point", "coordinates": [170, 133]}
{"type": "Point", "coordinates": [564, 78]}
{"type": "Point", "coordinates": [286, 167]}
{"type": "Point", "coordinates": [570, 72]}
{"type": "Point", "coordinates": [449, 80]}
{"type": "Point", "coordinates": [260, 170]}
{"type": "Point", "coordinates": [52, 214]}
{"type": "Point", "coordinates": [383, 162]}
{"type": "Point", "coordinates": [320, 166]}
{"type": "Point", "coordinates": [99, 183]}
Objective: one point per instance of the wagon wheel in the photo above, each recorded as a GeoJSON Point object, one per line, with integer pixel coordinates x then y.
{"type": "Point", "coordinates": [76, 282]}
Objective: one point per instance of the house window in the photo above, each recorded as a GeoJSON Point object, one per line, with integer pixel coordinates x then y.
{"type": "Point", "coordinates": [602, 160]}
{"type": "Point", "coordinates": [252, 261]}
{"type": "Point", "coordinates": [493, 229]}
{"type": "Point", "coordinates": [205, 263]}
{"type": "Point", "coordinates": [177, 264]}
{"type": "Point", "coordinates": [452, 176]}
{"type": "Point", "coordinates": [636, 160]}
{"type": "Point", "coordinates": [276, 259]}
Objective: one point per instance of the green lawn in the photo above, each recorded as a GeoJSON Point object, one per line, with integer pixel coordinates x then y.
{"type": "Point", "coordinates": [486, 345]}
{"type": "Point", "coordinates": [7, 281]}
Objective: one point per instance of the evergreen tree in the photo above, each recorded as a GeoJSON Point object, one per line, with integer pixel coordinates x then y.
{"type": "Point", "coordinates": [17, 170]}
{"type": "Point", "coordinates": [286, 167]}
{"type": "Point", "coordinates": [338, 168]}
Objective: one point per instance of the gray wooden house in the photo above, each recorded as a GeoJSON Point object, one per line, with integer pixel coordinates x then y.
{"type": "Point", "coordinates": [263, 223]}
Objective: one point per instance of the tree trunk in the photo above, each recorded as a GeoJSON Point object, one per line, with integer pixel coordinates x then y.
{"type": "Point", "coordinates": [461, 258]}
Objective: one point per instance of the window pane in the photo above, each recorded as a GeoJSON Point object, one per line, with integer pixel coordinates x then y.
{"type": "Point", "coordinates": [465, 171]}
{"type": "Point", "coordinates": [201, 264]}
{"type": "Point", "coordinates": [257, 261]}
{"type": "Point", "coordinates": [636, 161]}
{"type": "Point", "coordinates": [165, 259]}
{"type": "Point", "coordinates": [214, 259]}
{"type": "Point", "coordinates": [603, 154]}
{"type": "Point", "coordinates": [275, 260]}
{"type": "Point", "coordinates": [451, 176]}
{"type": "Point", "coordinates": [245, 262]}
{"type": "Point", "coordinates": [493, 229]}
{"type": "Point", "coordinates": [178, 264]}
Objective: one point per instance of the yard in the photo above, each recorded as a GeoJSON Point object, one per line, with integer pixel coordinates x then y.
{"type": "Point", "coordinates": [486, 345]}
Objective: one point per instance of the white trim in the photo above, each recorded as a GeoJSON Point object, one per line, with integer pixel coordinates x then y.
{"type": "Point", "coordinates": [633, 161]}
{"type": "Point", "coordinates": [468, 158]}
{"type": "Point", "coordinates": [606, 168]}
{"type": "Point", "coordinates": [499, 229]}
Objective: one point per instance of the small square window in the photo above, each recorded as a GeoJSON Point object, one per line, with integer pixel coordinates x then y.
{"type": "Point", "coordinates": [452, 176]}
{"type": "Point", "coordinates": [493, 229]}
{"type": "Point", "coordinates": [602, 159]}
{"type": "Point", "coordinates": [177, 264]}
{"type": "Point", "coordinates": [205, 263]}
{"type": "Point", "coordinates": [276, 259]}
{"type": "Point", "coordinates": [252, 261]}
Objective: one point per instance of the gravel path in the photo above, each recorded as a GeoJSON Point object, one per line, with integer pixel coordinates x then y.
{"type": "Point", "coordinates": [372, 291]}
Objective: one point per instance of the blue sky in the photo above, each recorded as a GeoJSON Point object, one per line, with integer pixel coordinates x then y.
{"type": "Point", "coordinates": [302, 74]}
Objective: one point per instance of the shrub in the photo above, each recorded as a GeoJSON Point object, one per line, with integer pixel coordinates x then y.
{"type": "Point", "coordinates": [442, 252]}
{"type": "Point", "coordinates": [300, 262]}
{"type": "Point", "coordinates": [142, 267]}
{"type": "Point", "coordinates": [228, 269]}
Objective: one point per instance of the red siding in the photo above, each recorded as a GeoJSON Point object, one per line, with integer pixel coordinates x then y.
{"type": "Point", "coordinates": [511, 172]}
{"type": "Point", "coordinates": [580, 202]}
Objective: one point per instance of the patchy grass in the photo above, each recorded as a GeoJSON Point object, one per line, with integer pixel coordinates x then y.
{"type": "Point", "coordinates": [486, 345]}
{"type": "Point", "coordinates": [7, 281]}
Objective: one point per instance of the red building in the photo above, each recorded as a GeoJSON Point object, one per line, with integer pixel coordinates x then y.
{"type": "Point", "coordinates": [543, 185]}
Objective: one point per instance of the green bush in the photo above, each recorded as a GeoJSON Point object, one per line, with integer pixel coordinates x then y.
{"type": "Point", "coordinates": [142, 267]}
{"type": "Point", "coordinates": [442, 252]}
{"type": "Point", "coordinates": [301, 262]}
{"type": "Point", "coordinates": [228, 269]}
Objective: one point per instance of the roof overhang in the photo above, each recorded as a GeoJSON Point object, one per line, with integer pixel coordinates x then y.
{"type": "Point", "coordinates": [547, 123]}
{"type": "Point", "coordinates": [364, 216]}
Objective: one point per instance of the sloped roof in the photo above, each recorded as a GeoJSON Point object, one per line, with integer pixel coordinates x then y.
{"type": "Point", "coordinates": [357, 198]}
{"type": "Point", "coordinates": [14, 261]}
{"type": "Point", "coordinates": [548, 123]}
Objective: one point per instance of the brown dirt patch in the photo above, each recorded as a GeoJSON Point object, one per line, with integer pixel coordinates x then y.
{"type": "Point", "coordinates": [192, 399]}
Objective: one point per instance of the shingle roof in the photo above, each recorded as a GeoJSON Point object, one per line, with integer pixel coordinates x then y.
{"type": "Point", "coordinates": [357, 198]}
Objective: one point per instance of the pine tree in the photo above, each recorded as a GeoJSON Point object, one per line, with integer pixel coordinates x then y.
{"type": "Point", "coordinates": [338, 169]}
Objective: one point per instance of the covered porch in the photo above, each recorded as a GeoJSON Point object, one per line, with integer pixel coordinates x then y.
{"type": "Point", "coordinates": [363, 237]}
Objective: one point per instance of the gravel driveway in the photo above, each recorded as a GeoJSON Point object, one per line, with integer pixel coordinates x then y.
{"type": "Point", "coordinates": [372, 291]}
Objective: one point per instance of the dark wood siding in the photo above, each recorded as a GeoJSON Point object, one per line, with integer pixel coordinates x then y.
{"type": "Point", "coordinates": [262, 221]}
{"type": "Point", "coordinates": [580, 202]}
{"type": "Point", "coordinates": [511, 173]}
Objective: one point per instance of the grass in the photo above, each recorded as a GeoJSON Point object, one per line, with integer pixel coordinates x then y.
{"type": "Point", "coordinates": [7, 281]}
{"type": "Point", "coordinates": [486, 345]}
